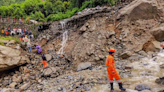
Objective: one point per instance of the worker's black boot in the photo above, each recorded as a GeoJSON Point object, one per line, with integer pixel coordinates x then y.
{"type": "Point", "coordinates": [121, 88]}
{"type": "Point", "coordinates": [111, 86]}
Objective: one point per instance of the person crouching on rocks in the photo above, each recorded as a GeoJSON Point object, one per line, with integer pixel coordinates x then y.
{"type": "Point", "coordinates": [112, 73]}
{"type": "Point", "coordinates": [39, 49]}
{"type": "Point", "coordinates": [44, 61]}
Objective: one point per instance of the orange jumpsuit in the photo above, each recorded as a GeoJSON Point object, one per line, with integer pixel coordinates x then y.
{"type": "Point", "coordinates": [44, 63]}
{"type": "Point", "coordinates": [110, 67]}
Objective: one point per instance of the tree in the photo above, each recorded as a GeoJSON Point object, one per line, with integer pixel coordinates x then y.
{"type": "Point", "coordinates": [48, 8]}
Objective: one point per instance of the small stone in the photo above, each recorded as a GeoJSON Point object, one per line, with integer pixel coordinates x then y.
{"type": "Point", "coordinates": [12, 85]}
{"type": "Point", "coordinates": [97, 58]}
{"type": "Point", "coordinates": [128, 67]}
{"type": "Point", "coordinates": [25, 86]}
{"type": "Point", "coordinates": [48, 57]}
{"type": "Point", "coordinates": [17, 79]}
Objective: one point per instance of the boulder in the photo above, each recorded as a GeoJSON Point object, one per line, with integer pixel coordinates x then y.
{"type": "Point", "coordinates": [151, 45]}
{"type": "Point", "coordinates": [142, 87]}
{"type": "Point", "coordinates": [10, 58]}
{"type": "Point", "coordinates": [83, 66]}
{"type": "Point", "coordinates": [158, 33]}
{"type": "Point", "coordinates": [160, 81]}
{"type": "Point", "coordinates": [144, 8]}
{"type": "Point", "coordinates": [48, 57]}
{"type": "Point", "coordinates": [125, 55]}
{"type": "Point", "coordinates": [48, 71]}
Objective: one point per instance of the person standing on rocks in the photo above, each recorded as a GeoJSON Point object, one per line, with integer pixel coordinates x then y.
{"type": "Point", "coordinates": [29, 47]}
{"type": "Point", "coordinates": [112, 73]}
{"type": "Point", "coordinates": [44, 61]}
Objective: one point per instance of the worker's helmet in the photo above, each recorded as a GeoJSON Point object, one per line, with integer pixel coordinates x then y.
{"type": "Point", "coordinates": [111, 50]}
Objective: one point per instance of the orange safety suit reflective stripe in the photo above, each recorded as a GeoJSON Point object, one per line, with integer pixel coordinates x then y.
{"type": "Point", "coordinates": [44, 63]}
{"type": "Point", "coordinates": [110, 68]}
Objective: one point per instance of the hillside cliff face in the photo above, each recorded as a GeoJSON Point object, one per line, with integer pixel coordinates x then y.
{"type": "Point", "coordinates": [130, 30]}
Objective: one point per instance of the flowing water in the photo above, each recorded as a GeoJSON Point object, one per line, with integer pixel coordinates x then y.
{"type": "Point", "coordinates": [145, 71]}
{"type": "Point", "coordinates": [64, 39]}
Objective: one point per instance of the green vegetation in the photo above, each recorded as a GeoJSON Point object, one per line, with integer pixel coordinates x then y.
{"type": "Point", "coordinates": [47, 10]}
{"type": "Point", "coordinates": [9, 38]}
{"type": "Point", "coordinates": [9, 2]}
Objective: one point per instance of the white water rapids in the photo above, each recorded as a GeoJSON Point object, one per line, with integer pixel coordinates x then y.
{"type": "Point", "coordinates": [64, 39]}
{"type": "Point", "coordinates": [145, 71]}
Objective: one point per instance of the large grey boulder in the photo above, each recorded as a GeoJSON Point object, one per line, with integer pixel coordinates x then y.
{"type": "Point", "coordinates": [83, 66]}
{"type": "Point", "coordinates": [10, 58]}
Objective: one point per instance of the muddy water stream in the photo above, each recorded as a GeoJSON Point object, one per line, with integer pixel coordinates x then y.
{"type": "Point", "coordinates": [145, 71]}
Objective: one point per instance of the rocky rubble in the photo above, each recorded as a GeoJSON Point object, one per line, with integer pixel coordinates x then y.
{"type": "Point", "coordinates": [82, 65]}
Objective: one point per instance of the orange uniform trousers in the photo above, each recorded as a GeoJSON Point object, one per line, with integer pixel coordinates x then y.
{"type": "Point", "coordinates": [44, 63]}
{"type": "Point", "coordinates": [113, 75]}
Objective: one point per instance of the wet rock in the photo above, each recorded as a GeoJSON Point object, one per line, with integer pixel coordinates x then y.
{"type": "Point", "coordinates": [160, 81]}
{"type": "Point", "coordinates": [142, 87]}
{"type": "Point", "coordinates": [83, 66]}
{"type": "Point", "coordinates": [25, 86]}
{"type": "Point", "coordinates": [48, 57]}
{"type": "Point", "coordinates": [12, 85]}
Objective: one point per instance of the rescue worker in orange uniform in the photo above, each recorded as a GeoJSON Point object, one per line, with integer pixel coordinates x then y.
{"type": "Point", "coordinates": [44, 61]}
{"type": "Point", "coordinates": [112, 73]}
